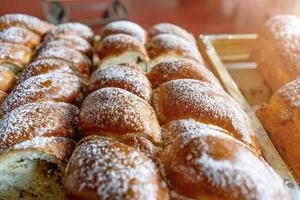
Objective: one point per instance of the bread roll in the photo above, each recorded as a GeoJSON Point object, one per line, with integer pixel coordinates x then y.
{"type": "Point", "coordinates": [186, 98]}
{"type": "Point", "coordinates": [205, 163]}
{"type": "Point", "coordinates": [125, 27]}
{"type": "Point", "coordinates": [7, 78]}
{"type": "Point", "coordinates": [167, 28]}
{"type": "Point", "coordinates": [39, 119]}
{"type": "Point", "coordinates": [25, 21]}
{"type": "Point", "coordinates": [121, 77]}
{"type": "Point", "coordinates": [79, 61]}
{"type": "Point", "coordinates": [56, 87]}
{"type": "Point", "coordinates": [70, 28]}
{"type": "Point", "coordinates": [101, 168]}
{"type": "Point", "coordinates": [34, 169]}
{"type": "Point", "coordinates": [20, 36]}
{"type": "Point", "coordinates": [121, 48]}
{"type": "Point", "coordinates": [281, 119]}
{"type": "Point", "coordinates": [178, 68]}
{"type": "Point", "coordinates": [116, 112]}
{"type": "Point", "coordinates": [277, 50]}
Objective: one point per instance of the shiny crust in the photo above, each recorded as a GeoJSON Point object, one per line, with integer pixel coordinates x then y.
{"type": "Point", "coordinates": [186, 98]}
{"type": "Point", "coordinates": [79, 61]}
{"type": "Point", "coordinates": [39, 119]}
{"type": "Point", "coordinates": [116, 112]}
{"type": "Point", "coordinates": [56, 87]}
{"type": "Point", "coordinates": [20, 36]}
{"type": "Point", "coordinates": [173, 69]}
{"type": "Point", "coordinates": [281, 119]}
{"type": "Point", "coordinates": [121, 77]}
{"type": "Point", "coordinates": [71, 28]}
{"type": "Point", "coordinates": [117, 44]}
{"type": "Point", "coordinates": [276, 51]}
{"type": "Point", "coordinates": [101, 168]}
{"type": "Point", "coordinates": [7, 79]}
{"type": "Point", "coordinates": [205, 163]}
{"type": "Point", "coordinates": [124, 27]}
{"type": "Point", "coordinates": [21, 20]}
{"type": "Point", "coordinates": [16, 54]}
{"type": "Point", "coordinates": [168, 44]}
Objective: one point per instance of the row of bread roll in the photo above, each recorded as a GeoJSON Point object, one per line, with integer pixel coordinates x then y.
{"type": "Point", "coordinates": [39, 121]}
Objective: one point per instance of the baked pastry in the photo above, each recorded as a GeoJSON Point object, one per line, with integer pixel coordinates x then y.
{"type": "Point", "coordinates": [116, 112]}
{"type": "Point", "coordinates": [14, 54]}
{"type": "Point", "coordinates": [205, 163]}
{"type": "Point", "coordinates": [276, 51]}
{"type": "Point", "coordinates": [79, 61]}
{"type": "Point", "coordinates": [3, 96]}
{"type": "Point", "coordinates": [179, 68]}
{"type": "Point", "coordinates": [34, 169]}
{"type": "Point", "coordinates": [39, 119]}
{"type": "Point", "coordinates": [164, 46]}
{"type": "Point", "coordinates": [168, 28]}
{"type": "Point", "coordinates": [187, 98]}
{"type": "Point", "coordinates": [101, 168]}
{"type": "Point", "coordinates": [121, 77]}
{"type": "Point", "coordinates": [125, 27]}
{"type": "Point", "coordinates": [71, 28]}
{"type": "Point", "coordinates": [7, 78]}
{"type": "Point", "coordinates": [56, 87]}
{"type": "Point", "coordinates": [25, 21]}
{"type": "Point", "coordinates": [281, 119]}
{"type": "Point", "coordinates": [20, 36]}
{"type": "Point", "coordinates": [121, 48]}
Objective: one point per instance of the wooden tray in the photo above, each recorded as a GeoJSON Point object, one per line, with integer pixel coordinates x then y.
{"type": "Point", "coordinates": [228, 57]}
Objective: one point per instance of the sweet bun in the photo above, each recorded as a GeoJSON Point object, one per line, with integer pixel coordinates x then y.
{"type": "Point", "coordinates": [116, 112]}
{"type": "Point", "coordinates": [79, 61]}
{"type": "Point", "coordinates": [186, 98]}
{"type": "Point", "coordinates": [276, 50]}
{"type": "Point", "coordinates": [20, 36]}
{"type": "Point", "coordinates": [121, 77]}
{"type": "Point", "coordinates": [39, 119]}
{"type": "Point", "coordinates": [70, 28]}
{"type": "Point", "coordinates": [133, 66]}
{"type": "Point", "coordinates": [205, 163]}
{"type": "Point", "coordinates": [179, 68]}
{"type": "Point", "coordinates": [125, 27]}
{"type": "Point", "coordinates": [56, 87]}
{"type": "Point", "coordinates": [25, 21]}
{"type": "Point", "coordinates": [121, 48]}
{"type": "Point", "coordinates": [7, 78]}
{"type": "Point", "coordinates": [34, 169]}
{"type": "Point", "coordinates": [101, 168]}
{"type": "Point", "coordinates": [281, 119]}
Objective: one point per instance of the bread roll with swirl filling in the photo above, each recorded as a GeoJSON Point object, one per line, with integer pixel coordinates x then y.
{"type": "Point", "coordinates": [56, 87]}
{"type": "Point", "coordinates": [125, 27]}
{"type": "Point", "coordinates": [25, 21]}
{"type": "Point", "coordinates": [101, 168]}
{"type": "Point", "coordinates": [121, 77]}
{"type": "Point", "coordinates": [179, 68]}
{"type": "Point", "coordinates": [116, 112]}
{"type": "Point", "coordinates": [34, 169]}
{"type": "Point", "coordinates": [39, 119]}
{"type": "Point", "coordinates": [281, 119]}
{"type": "Point", "coordinates": [186, 98]}
{"type": "Point", "coordinates": [203, 162]}
{"type": "Point", "coordinates": [122, 48]}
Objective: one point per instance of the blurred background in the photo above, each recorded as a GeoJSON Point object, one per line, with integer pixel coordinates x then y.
{"type": "Point", "coordinates": [197, 16]}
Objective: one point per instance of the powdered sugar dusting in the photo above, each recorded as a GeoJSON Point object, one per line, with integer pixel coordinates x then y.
{"type": "Point", "coordinates": [15, 52]}
{"type": "Point", "coordinates": [19, 35]}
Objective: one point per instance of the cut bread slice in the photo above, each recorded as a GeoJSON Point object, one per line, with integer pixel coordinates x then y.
{"type": "Point", "coordinates": [34, 169]}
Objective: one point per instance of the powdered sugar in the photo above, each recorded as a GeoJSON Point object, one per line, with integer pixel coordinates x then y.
{"type": "Point", "coordinates": [15, 53]}
{"type": "Point", "coordinates": [20, 36]}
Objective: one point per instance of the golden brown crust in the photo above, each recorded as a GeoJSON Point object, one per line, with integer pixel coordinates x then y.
{"type": "Point", "coordinates": [116, 112]}
{"type": "Point", "coordinates": [7, 79]}
{"type": "Point", "coordinates": [56, 87]}
{"type": "Point", "coordinates": [19, 35]}
{"type": "Point", "coordinates": [186, 98]}
{"type": "Point", "coordinates": [39, 119]}
{"type": "Point", "coordinates": [172, 69]}
{"type": "Point", "coordinates": [3, 96]}
{"type": "Point", "coordinates": [121, 77]}
{"type": "Point", "coordinates": [101, 168]}
{"type": "Point", "coordinates": [205, 163]}
{"type": "Point", "coordinates": [21, 20]}
{"type": "Point", "coordinates": [133, 66]}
